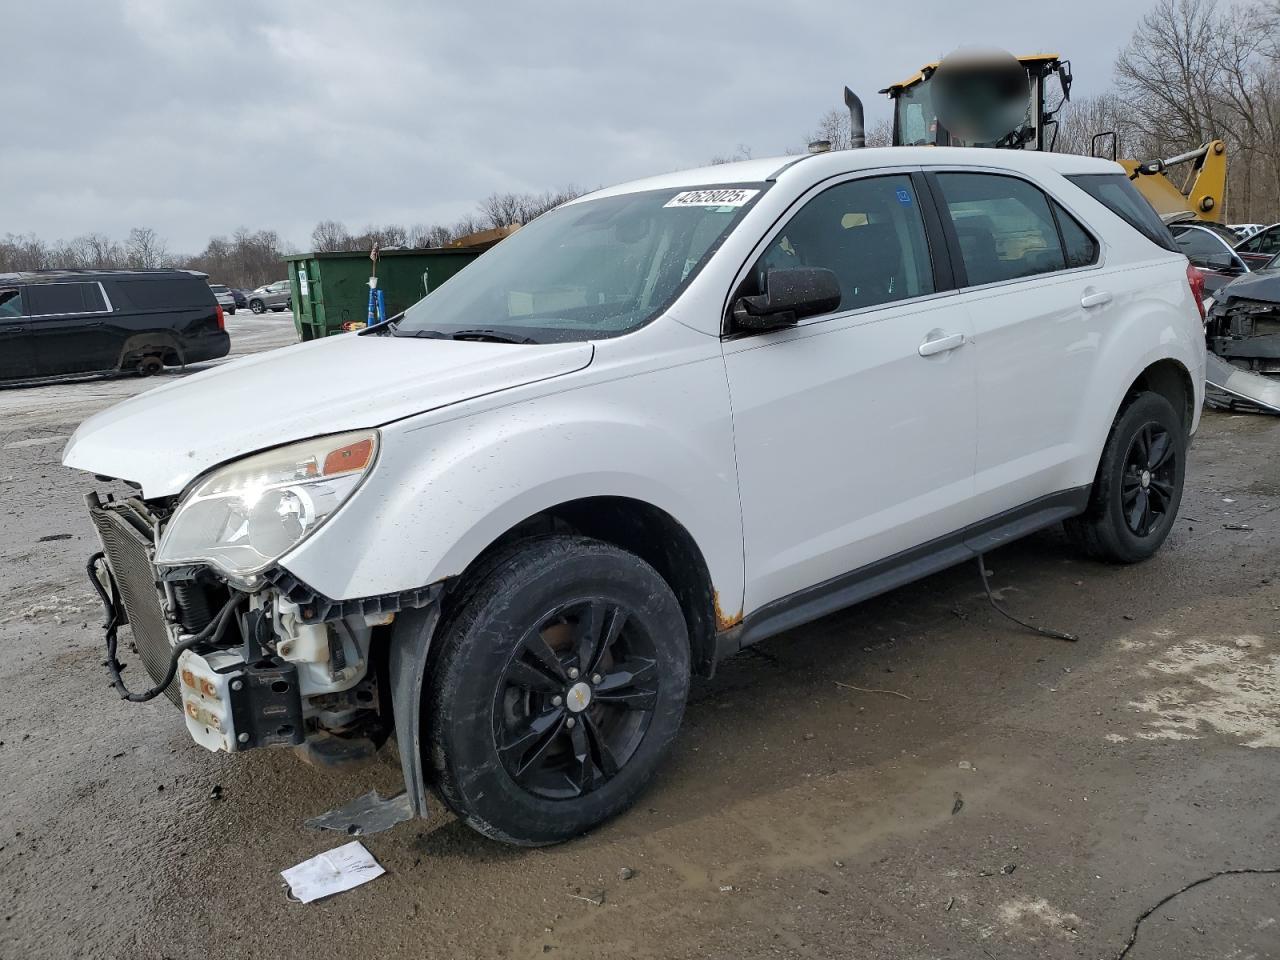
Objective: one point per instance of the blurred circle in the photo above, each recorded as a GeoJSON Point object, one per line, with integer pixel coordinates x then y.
{"type": "Point", "coordinates": [980, 96]}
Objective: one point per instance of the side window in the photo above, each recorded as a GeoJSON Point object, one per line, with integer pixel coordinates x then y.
{"type": "Point", "coordinates": [1080, 247]}
{"type": "Point", "coordinates": [10, 302]}
{"type": "Point", "coordinates": [1268, 241]}
{"type": "Point", "coordinates": [165, 293]}
{"type": "Point", "coordinates": [57, 298]}
{"type": "Point", "coordinates": [1004, 225]}
{"type": "Point", "coordinates": [1117, 194]}
{"type": "Point", "coordinates": [868, 232]}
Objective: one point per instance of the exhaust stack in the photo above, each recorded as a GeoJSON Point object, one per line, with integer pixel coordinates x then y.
{"type": "Point", "coordinates": [857, 127]}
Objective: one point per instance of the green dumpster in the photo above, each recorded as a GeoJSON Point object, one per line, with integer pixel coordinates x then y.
{"type": "Point", "coordinates": [330, 289]}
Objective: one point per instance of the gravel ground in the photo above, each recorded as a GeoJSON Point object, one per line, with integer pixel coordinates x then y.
{"type": "Point", "coordinates": [998, 795]}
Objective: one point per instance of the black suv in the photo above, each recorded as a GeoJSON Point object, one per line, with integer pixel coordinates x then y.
{"type": "Point", "coordinates": [58, 322]}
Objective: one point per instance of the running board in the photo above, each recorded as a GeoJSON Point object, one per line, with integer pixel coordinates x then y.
{"type": "Point", "coordinates": [901, 569]}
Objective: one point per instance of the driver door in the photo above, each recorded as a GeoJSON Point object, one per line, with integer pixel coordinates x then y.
{"type": "Point", "coordinates": [855, 438]}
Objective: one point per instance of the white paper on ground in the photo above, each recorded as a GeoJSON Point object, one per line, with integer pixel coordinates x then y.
{"type": "Point", "coordinates": [325, 874]}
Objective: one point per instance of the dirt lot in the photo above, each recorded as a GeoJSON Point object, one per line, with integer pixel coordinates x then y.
{"type": "Point", "coordinates": [1000, 795]}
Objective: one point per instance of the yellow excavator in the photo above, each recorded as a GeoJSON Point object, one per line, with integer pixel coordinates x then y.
{"type": "Point", "coordinates": [997, 100]}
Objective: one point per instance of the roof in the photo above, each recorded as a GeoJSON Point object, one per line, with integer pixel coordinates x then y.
{"type": "Point", "coordinates": [61, 276]}
{"type": "Point", "coordinates": [819, 165]}
{"type": "Point", "coordinates": [1031, 59]}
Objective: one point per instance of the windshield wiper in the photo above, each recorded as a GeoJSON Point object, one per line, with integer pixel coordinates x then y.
{"type": "Point", "coordinates": [485, 336]}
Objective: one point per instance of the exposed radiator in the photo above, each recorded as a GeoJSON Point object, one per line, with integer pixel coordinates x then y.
{"type": "Point", "coordinates": [127, 544]}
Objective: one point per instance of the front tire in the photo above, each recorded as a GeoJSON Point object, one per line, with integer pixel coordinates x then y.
{"type": "Point", "coordinates": [257, 306]}
{"type": "Point", "coordinates": [1138, 486]}
{"type": "Point", "coordinates": [559, 686]}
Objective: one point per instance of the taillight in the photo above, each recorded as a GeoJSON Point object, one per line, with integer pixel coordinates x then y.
{"type": "Point", "coordinates": [1196, 279]}
{"type": "Point", "coordinates": [222, 320]}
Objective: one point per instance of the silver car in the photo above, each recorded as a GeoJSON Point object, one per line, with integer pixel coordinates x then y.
{"type": "Point", "coordinates": [226, 299]}
{"type": "Point", "coordinates": [273, 296]}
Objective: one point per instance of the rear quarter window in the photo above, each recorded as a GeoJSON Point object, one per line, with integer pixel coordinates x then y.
{"type": "Point", "coordinates": [1117, 194]}
{"type": "Point", "coordinates": [171, 293]}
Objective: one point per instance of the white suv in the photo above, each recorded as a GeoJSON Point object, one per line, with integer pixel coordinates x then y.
{"type": "Point", "coordinates": [662, 422]}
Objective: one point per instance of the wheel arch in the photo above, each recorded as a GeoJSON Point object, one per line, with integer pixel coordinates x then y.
{"type": "Point", "coordinates": [1171, 379]}
{"type": "Point", "coordinates": [638, 527]}
{"type": "Point", "coordinates": [154, 343]}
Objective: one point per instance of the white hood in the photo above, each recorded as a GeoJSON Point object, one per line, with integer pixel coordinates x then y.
{"type": "Point", "coordinates": [165, 438]}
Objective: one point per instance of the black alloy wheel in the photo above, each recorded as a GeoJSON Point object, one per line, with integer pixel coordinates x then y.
{"type": "Point", "coordinates": [1138, 486]}
{"type": "Point", "coordinates": [558, 683]}
{"type": "Point", "coordinates": [1146, 488]}
{"type": "Point", "coordinates": [576, 699]}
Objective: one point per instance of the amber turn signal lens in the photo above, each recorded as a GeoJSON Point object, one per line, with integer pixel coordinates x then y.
{"type": "Point", "coordinates": [349, 459]}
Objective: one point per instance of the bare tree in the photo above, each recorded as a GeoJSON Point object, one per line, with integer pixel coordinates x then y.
{"type": "Point", "coordinates": [743, 152]}
{"type": "Point", "coordinates": [510, 209]}
{"type": "Point", "coordinates": [880, 133]}
{"type": "Point", "coordinates": [145, 250]}
{"type": "Point", "coordinates": [1081, 119]}
{"type": "Point", "coordinates": [1194, 72]}
{"type": "Point", "coordinates": [834, 127]}
{"type": "Point", "coordinates": [330, 236]}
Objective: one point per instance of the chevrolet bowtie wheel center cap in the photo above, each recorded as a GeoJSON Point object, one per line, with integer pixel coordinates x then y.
{"type": "Point", "coordinates": [578, 697]}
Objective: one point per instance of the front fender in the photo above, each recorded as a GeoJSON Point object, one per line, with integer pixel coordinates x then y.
{"type": "Point", "coordinates": [443, 491]}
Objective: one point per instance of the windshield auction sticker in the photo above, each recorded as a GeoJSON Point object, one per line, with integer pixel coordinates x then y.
{"type": "Point", "coordinates": [729, 197]}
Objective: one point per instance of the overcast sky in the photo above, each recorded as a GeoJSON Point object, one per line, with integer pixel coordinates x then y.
{"type": "Point", "coordinates": [196, 117]}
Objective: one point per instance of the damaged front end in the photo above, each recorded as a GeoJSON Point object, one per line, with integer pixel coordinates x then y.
{"type": "Point", "coordinates": [1242, 333]}
{"type": "Point", "coordinates": [263, 660]}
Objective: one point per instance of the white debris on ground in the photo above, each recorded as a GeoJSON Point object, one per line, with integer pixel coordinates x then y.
{"type": "Point", "coordinates": [35, 441]}
{"type": "Point", "coordinates": [1030, 913]}
{"type": "Point", "coordinates": [56, 608]}
{"type": "Point", "coordinates": [1229, 684]}
{"type": "Point", "coordinates": [325, 874]}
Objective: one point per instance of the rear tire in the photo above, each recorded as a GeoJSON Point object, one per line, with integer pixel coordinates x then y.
{"type": "Point", "coordinates": [1138, 486]}
{"type": "Point", "coordinates": [559, 686]}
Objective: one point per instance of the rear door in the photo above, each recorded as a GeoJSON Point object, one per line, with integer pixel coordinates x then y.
{"type": "Point", "coordinates": [16, 358]}
{"type": "Point", "coordinates": [1039, 299]}
{"type": "Point", "coordinates": [68, 324]}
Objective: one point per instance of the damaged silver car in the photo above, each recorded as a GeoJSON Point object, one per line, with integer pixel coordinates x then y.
{"type": "Point", "coordinates": [1242, 330]}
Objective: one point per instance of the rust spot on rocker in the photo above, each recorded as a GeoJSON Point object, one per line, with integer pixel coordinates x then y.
{"type": "Point", "coordinates": [722, 622]}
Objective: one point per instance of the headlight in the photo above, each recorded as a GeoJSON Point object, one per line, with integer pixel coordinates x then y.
{"type": "Point", "coordinates": [246, 515]}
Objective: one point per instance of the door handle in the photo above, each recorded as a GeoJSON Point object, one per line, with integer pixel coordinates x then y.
{"type": "Point", "coordinates": [941, 344]}
{"type": "Point", "coordinates": [1095, 300]}
{"type": "Point", "coordinates": [11, 331]}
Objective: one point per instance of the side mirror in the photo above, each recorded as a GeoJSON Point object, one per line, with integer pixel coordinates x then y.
{"type": "Point", "coordinates": [790, 295]}
{"type": "Point", "coordinates": [1220, 262]}
{"type": "Point", "coordinates": [1212, 261]}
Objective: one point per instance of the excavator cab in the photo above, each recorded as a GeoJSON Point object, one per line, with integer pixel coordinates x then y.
{"type": "Point", "coordinates": [1017, 104]}
{"type": "Point", "coordinates": [993, 99]}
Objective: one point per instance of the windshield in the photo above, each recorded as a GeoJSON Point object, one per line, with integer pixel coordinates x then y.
{"type": "Point", "coordinates": [584, 271]}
